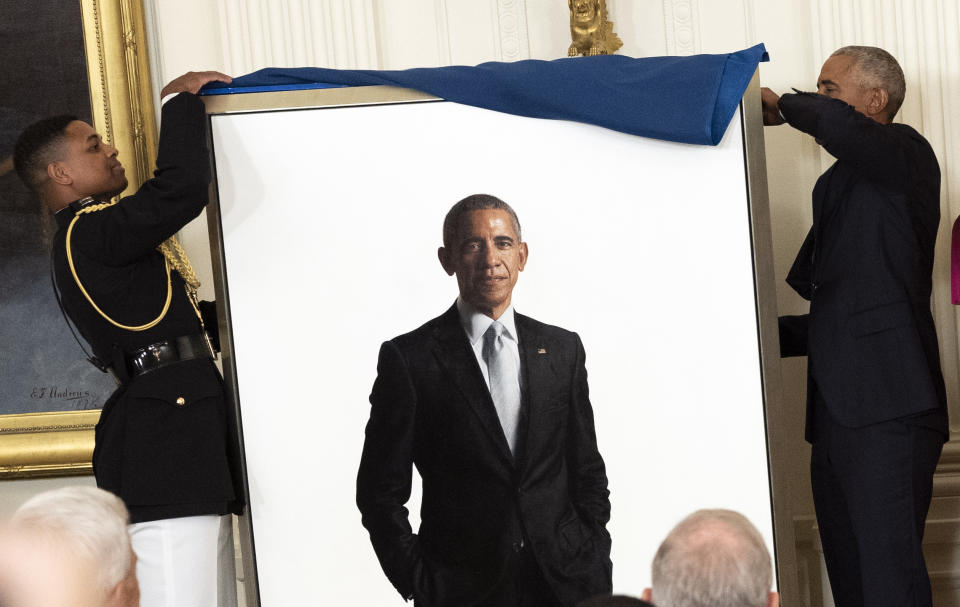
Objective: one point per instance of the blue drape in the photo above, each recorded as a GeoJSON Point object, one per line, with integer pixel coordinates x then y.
{"type": "Point", "coordinates": [685, 99]}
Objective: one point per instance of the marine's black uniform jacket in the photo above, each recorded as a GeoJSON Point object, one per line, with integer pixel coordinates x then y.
{"type": "Point", "coordinates": [866, 268]}
{"type": "Point", "coordinates": [164, 459]}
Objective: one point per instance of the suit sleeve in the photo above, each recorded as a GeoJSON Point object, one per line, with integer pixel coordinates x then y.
{"type": "Point", "coordinates": [386, 467]}
{"type": "Point", "coordinates": [175, 195]}
{"type": "Point", "coordinates": [587, 470]}
{"type": "Point", "coordinates": [885, 153]}
{"type": "Point", "coordinates": [793, 335]}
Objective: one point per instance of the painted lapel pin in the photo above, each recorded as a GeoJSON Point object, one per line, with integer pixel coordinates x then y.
{"type": "Point", "coordinates": [541, 350]}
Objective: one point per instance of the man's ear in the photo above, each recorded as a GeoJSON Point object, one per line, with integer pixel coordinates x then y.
{"type": "Point", "coordinates": [524, 252]}
{"type": "Point", "coordinates": [877, 102]}
{"type": "Point", "coordinates": [58, 174]}
{"type": "Point", "coordinates": [444, 256]}
{"type": "Point", "coordinates": [647, 595]}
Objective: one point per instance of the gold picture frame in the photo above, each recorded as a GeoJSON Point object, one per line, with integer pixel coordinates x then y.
{"type": "Point", "coordinates": [122, 108]}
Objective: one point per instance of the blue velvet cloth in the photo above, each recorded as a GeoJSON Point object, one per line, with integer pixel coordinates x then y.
{"type": "Point", "coordinates": [686, 99]}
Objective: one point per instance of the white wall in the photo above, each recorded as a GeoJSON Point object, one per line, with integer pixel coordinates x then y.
{"type": "Point", "coordinates": [14, 493]}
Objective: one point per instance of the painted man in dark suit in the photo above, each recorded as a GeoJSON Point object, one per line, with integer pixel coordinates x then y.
{"type": "Point", "coordinates": [876, 403]}
{"type": "Point", "coordinates": [492, 408]}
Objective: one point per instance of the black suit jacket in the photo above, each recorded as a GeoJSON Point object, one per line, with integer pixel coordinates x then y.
{"type": "Point", "coordinates": [431, 408]}
{"type": "Point", "coordinates": [866, 268]}
{"type": "Point", "coordinates": [164, 459]}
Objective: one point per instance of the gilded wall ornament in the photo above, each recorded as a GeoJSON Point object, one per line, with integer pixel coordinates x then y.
{"type": "Point", "coordinates": [592, 33]}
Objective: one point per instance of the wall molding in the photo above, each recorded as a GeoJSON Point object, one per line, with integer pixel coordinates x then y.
{"type": "Point", "coordinates": [444, 47]}
{"type": "Point", "coordinates": [682, 26]}
{"type": "Point", "coordinates": [512, 30]}
{"type": "Point", "coordinates": [339, 34]}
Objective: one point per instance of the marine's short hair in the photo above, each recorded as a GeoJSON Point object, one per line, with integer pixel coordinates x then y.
{"type": "Point", "coordinates": [878, 69]}
{"type": "Point", "coordinates": [38, 145]}
{"type": "Point", "coordinates": [474, 202]}
{"type": "Point", "coordinates": [712, 557]}
{"type": "Point", "coordinates": [89, 522]}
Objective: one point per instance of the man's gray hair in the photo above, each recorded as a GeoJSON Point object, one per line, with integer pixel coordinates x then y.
{"type": "Point", "coordinates": [474, 202]}
{"type": "Point", "coordinates": [90, 522]}
{"type": "Point", "coordinates": [712, 558]}
{"type": "Point", "coordinates": [878, 69]}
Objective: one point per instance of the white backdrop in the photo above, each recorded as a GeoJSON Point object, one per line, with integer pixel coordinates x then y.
{"type": "Point", "coordinates": [327, 257]}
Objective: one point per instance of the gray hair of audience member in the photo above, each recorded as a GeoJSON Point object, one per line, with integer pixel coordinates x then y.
{"type": "Point", "coordinates": [715, 558]}
{"type": "Point", "coordinates": [474, 202]}
{"type": "Point", "coordinates": [90, 522]}
{"type": "Point", "coordinates": [878, 69]}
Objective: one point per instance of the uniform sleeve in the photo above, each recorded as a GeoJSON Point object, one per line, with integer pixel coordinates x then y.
{"type": "Point", "coordinates": [386, 468]}
{"type": "Point", "coordinates": [174, 196]}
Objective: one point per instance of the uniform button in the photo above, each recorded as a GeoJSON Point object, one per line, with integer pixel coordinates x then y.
{"type": "Point", "coordinates": [518, 546]}
{"type": "Point", "coordinates": [181, 401]}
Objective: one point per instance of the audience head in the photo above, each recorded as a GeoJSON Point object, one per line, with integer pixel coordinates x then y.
{"type": "Point", "coordinates": [69, 548]}
{"type": "Point", "coordinates": [713, 558]}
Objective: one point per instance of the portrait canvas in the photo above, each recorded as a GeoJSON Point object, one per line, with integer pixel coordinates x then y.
{"type": "Point", "coordinates": [328, 223]}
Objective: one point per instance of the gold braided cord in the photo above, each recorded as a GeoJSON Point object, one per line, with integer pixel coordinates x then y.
{"type": "Point", "coordinates": [173, 256]}
{"type": "Point", "coordinates": [177, 257]}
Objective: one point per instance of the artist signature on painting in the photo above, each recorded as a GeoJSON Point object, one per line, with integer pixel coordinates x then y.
{"type": "Point", "coordinates": [80, 399]}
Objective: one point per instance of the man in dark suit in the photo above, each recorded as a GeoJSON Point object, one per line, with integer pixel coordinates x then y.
{"type": "Point", "coordinates": [492, 408]}
{"type": "Point", "coordinates": [876, 403]}
{"type": "Point", "coordinates": [162, 441]}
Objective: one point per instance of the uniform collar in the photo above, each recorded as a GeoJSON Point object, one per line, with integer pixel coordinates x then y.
{"type": "Point", "coordinates": [67, 213]}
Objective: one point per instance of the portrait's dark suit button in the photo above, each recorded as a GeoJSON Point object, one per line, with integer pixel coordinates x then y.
{"type": "Point", "coordinates": [518, 546]}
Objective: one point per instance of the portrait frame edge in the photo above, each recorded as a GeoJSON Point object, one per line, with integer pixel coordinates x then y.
{"type": "Point", "coordinates": [49, 444]}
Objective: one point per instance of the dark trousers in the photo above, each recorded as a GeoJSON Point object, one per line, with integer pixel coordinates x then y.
{"type": "Point", "coordinates": [523, 585]}
{"type": "Point", "coordinates": [871, 489]}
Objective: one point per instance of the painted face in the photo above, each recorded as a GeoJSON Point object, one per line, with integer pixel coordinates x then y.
{"type": "Point", "coordinates": [487, 258]}
{"type": "Point", "coordinates": [839, 79]}
{"type": "Point", "coordinates": [92, 164]}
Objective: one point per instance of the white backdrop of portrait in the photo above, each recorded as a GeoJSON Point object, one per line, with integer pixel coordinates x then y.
{"type": "Point", "coordinates": [331, 220]}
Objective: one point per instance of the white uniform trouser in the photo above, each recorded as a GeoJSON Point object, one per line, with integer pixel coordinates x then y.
{"type": "Point", "coordinates": [186, 562]}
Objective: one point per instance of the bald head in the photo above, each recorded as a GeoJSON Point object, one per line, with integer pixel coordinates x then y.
{"type": "Point", "coordinates": [713, 557]}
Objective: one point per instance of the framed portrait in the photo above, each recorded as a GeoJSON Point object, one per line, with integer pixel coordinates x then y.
{"type": "Point", "coordinates": [86, 58]}
{"type": "Point", "coordinates": [325, 229]}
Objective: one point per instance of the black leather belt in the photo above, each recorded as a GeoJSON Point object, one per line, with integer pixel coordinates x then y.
{"type": "Point", "coordinates": [163, 353]}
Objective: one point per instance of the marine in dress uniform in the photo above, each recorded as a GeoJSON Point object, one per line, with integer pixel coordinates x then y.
{"type": "Point", "coordinates": [163, 442]}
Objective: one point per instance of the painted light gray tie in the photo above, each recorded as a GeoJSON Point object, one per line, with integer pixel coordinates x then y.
{"type": "Point", "coordinates": [504, 381]}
